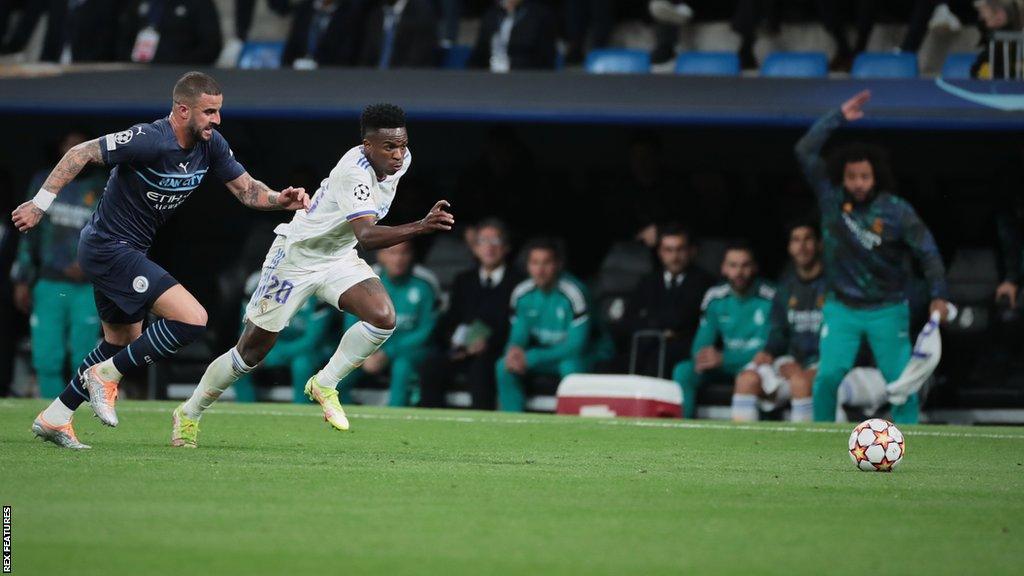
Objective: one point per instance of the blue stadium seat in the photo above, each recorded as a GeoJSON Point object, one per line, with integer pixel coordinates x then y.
{"type": "Point", "coordinates": [958, 65]}
{"type": "Point", "coordinates": [885, 65]}
{"type": "Point", "coordinates": [618, 61]}
{"type": "Point", "coordinates": [456, 57]}
{"type": "Point", "coordinates": [708, 64]}
{"type": "Point", "coordinates": [261, 55]}
{"type": "Point", "coordinates": [795, 65]}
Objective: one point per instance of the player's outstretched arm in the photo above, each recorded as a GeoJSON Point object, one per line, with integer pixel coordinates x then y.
{"type": "Point", "coordinates": [373, 237]}
{"type": "Point", "coordinates": [30, 213]}
{"type": "Point", "coordinates": [259, 196]}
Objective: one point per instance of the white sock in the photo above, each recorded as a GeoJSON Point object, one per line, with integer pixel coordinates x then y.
{"type": "Point", "coordinates": [108, 371]}
{"type": "Point", "coordinates": [357, 344]}
{"type": "Point", "coordinates": [801, 409]}
{"type": "Point", "coordinates": [57, 413]}
{"type": "Point", "coordinates": [744, 408]}
{"type": "Point", "coordinates": [221, 373]}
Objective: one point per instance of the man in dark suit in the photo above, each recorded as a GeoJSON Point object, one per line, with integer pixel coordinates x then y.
{"type": "Point", "coordinates": [169, 32]}
{"type": "Point", "coordinates": [475, 329]}
{"type": "Point", "coordinates": [323, 33]}
{"type": "Point", "coordinates": [399, 34]}
{"type": "Point", "coordinates": [668, 301]}
{"type": "Point", "coordinates": [515, 35]}
{"type": "Point", "coordinates": [76, 30]}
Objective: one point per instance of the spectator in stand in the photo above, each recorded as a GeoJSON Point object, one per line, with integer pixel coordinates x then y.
{"type": "Point", "coordinates": [736, 314]}
{"type": "Point", "coordinates": [997, 16]}
{"type": "Point", "coordinates": [669, 17]}
{"type": "Point", "coordinates": [50, 285]}
{"type": "Point", "coordinates": [169, 32]}
{"type": "Point", "coordinates": [833, 16]}
{"type": "Point", "coordinates": [669, 301]}
{"type": "Point", "coordinates": [323, 33]}
{"type": "Point", "coordinates": [450, 12]}
{"type": "Point", "coordinates": [516, 35]}
{"type": "Point", "coordinates": [475, 329]}
{"type": "Point", "coordinates": [399, 34]}
{"type": "Point", "coordinates": [415, 299]}
{"type": "Point", "coordinates": [785, 368]}
{"type": "Point", "coordinates": [550, 326]}
{"type": "Point", "coordinates": [245, 9]}
{"type": "Point", "coordinates": [926, 15]}
{"type": "Point", "coordinates": [76, 30]}
{"type": "Point", "coordinates": [583, 18]}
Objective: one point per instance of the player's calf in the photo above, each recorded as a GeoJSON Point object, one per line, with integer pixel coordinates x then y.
{"type": "Point", "coordinates": [800, 384]}
{"type": "Point", "coordinates": [744, 397]}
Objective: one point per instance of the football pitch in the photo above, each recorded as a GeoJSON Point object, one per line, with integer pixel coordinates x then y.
{"type": "Point", "coordinates": [273, 490]}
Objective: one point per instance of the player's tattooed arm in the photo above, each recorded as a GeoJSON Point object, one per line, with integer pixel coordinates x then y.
{"type": "Point", "coordinates": [30, 213]}
{"type": "Point", "coordinates": [259, 196]}
{"type": "Point", "coordinates": [373, 237]}
{"type": "Point", "coordinates": [72, 163]}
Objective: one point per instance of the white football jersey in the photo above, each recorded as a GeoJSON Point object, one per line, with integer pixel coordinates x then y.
{"type": "Point", "coordinates": [321, 235]}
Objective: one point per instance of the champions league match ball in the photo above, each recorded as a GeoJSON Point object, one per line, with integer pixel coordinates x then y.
{"type": "Point", "coordinates": [877, 445]}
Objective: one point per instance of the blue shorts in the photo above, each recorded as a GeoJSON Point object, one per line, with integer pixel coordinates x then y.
{"type": "Point", "coordinates": [125, 282]}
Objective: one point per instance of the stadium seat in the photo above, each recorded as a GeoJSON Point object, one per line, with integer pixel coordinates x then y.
{"type": "Point", "coordinates": [456, 57]}
{"type": "Point", "coordinates": [795, 65]}
{"type": "Point", "coordinates": [885, 65]}
{"type": "Point", "coordinates": [958, 65]}
{"type": "Point", "coordinates": [618, 61]}
{"type": "Point", "coordinates": [708, 64]}
{"type": "Point", "coordinates": [447, 256]}
{"type": "Point", "coordinates": [623, 267]}
{"type": "Point", "coordinates": [261, 56]}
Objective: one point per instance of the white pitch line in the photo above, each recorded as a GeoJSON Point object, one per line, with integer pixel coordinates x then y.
{"type": "Point", "coordinates": [676, 424]}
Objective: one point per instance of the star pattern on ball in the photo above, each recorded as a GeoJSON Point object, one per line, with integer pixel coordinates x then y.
{"type": "Point", "coordinates": [883, 438]}
{"type": "Point", "coordinates": [858, 453]}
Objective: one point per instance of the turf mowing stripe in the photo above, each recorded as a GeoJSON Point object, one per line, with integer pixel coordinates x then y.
{"type": "Point", "coordinates": [551, 420]}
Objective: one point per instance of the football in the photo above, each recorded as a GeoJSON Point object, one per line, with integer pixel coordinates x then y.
{"type": "Point", "coordinates": [877, 445]}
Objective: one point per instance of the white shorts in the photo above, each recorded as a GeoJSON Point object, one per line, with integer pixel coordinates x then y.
{"type": "Point", "coordinates": [777, 387]}
{"type": "Point", "coordinates": [284, 286]}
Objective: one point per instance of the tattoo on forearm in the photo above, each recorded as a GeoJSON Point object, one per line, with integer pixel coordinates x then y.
{"type": "Point", "coordinates": [72, 163]}
{"type": "Point", "coordinates": [257, 195]}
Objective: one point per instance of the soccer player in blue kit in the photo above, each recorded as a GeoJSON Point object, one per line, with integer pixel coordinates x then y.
{"type": "Point", "coordinates": [156, 167]}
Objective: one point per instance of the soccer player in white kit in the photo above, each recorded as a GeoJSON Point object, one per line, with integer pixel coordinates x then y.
{"type": "Point", "coordinates": [315, 254]}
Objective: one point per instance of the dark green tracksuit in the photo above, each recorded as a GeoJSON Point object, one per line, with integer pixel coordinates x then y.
{"type": "Point", "coordinates": [741, 322]}
{"type": "Point", "coordinates": [553, 328]}
{"type": "Point", "coordinates": [64, 317]}
{"type": "Point", "coordinates": [866, 247]}
{"type": "Point", "coordinates": [415, 301]}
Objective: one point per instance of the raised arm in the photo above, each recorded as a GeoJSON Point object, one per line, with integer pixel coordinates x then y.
{"type": "Point", "coordinates": [374, 237]}
{"type": "Point", "coordinates": [29, 213]}
{"type": "Point", "coordinates": [259, 196]}
{"type": "Point", "coordinates": [808, 149]}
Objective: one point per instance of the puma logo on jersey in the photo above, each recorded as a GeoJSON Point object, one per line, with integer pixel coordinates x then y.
{"type": "Point", "coordinates": [183, 166]}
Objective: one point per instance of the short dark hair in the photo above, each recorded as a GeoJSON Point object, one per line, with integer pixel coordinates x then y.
{"type": "Point", "coordinates": [794, 224]}
{"type": "Point", "coordinates": [673, 229]}
{"type": "Point", "coordinates": [740, 245]}
{"type": "Point", "coordinates": [860, 152]}
{"type": "Point", "coordinates": [498, 225]}
{"type": "Point", "coordinates": [192, 85]}
{"type": "Point", "coordinates": [378, 116]}
{"type": "Point", "coordinates": [546, 243]}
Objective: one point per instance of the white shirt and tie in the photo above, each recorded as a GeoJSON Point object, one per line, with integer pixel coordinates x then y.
{"type": "Point", "coordinates": [673, 281]}
{"type": "Point", "coordinates": [492, 279]}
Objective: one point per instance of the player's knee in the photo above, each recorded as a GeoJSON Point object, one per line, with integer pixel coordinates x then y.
{"type": "Point", "coordinates": [197, 316]}
{"type": "Point", "coordinates": [748, 382]}
{"type": "Point", "coordinates": [682, 370]}
{"type": "Point", "coordinates": [382, 316]}
{"type": "Point", "coordinates": [800, 386]}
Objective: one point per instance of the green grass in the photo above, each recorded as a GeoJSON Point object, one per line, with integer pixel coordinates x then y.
{"type": "Point", "coordinates": [273, 490]}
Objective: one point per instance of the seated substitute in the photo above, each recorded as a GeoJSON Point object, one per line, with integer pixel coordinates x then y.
{"type": "Point", "coordinates": [297, 348]}
{"type": "Point", "coordinates": [415, 300]}
{"type": "Point", "coordinates": [475, 329]}
{"type": "Point", "coordinates": [784, 371]}
{"type": "Point", "coordinates": [735, 313]}
{"type": "Point", "coordinates": [550, 326]}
